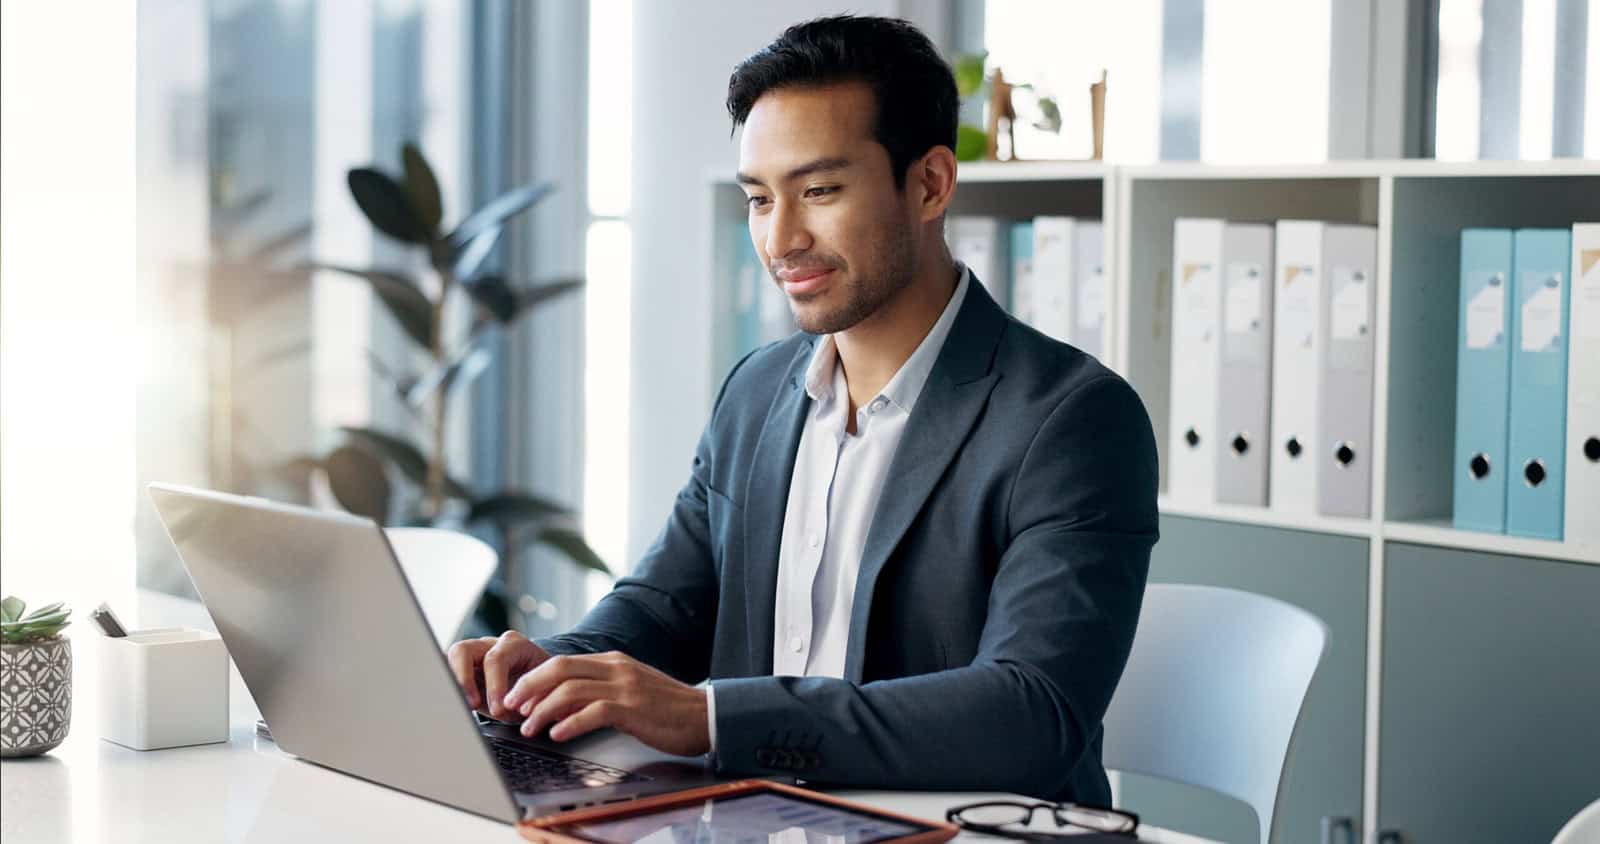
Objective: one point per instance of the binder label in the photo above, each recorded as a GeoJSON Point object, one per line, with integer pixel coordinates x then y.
{"type": "Point", "coordinates": [1486, 311]}
{"type": "Point", "coordinates": [1197, 301]}
{"type": "Point", "coordinates": [1586, 296]}
{"type": "Point", "coordinates": [1541, 313]}
{"type": "Point", "coordinates": [1243, 308]}
{"type": "Point", "coordinates": [1299, 313]}
{"type": "Point", "coordinates": [1349, 317]}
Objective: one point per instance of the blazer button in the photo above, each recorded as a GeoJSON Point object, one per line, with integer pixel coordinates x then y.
{"type": "Point", "coordinates": [764, 758]}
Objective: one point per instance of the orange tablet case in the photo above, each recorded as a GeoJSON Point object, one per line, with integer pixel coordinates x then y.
{"type": "Point", "coordinates": [547, 829]}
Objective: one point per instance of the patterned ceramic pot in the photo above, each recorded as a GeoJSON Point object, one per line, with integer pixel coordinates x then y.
{"type": "Point", "coordinates": [35, 696]}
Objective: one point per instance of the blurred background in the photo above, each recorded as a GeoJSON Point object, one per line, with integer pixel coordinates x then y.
{"type": "Point", "coordinates": [176, 183]}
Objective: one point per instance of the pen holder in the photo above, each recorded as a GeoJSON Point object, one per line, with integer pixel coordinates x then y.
{"type": "Point", "coordinates": [164, 687]}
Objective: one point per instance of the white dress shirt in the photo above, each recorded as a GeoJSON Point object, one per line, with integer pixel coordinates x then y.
{"type": "Point", "coordinates": [833, 495]}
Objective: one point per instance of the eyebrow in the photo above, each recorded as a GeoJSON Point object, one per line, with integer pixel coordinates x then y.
{"type": "Point", "coordinates": [818, 166]}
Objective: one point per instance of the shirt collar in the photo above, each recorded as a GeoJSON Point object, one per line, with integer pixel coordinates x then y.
{"type": "Point", "coordinates": [906, 385]}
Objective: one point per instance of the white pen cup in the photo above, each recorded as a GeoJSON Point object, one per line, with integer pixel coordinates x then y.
{"type": "Point", "coordinates": [163, 687]}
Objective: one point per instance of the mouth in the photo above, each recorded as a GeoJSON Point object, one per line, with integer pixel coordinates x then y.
{"type": "Point", "coordinates": [806, 281]}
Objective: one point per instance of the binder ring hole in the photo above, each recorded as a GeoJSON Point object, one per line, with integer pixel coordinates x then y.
{"type": "Point", "coordinates": [1241, 444]}
{"type": "Point", "coordinates": [1293, 447]}
{"type": "Point", "coordinates": [1533, 473]}
{"type": "Point", "coordinates": [1192, 438]}
{"type": "Point", "coordinates": [1479, 467]}
{"type": "Point", "coordinates": [1591, 449]}
{"type": "Point", "coordinates": [1344, 454]}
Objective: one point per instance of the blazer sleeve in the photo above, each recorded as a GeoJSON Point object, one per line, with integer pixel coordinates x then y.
{"type": "Point", "coordinates": [664, 613]}
{"type": "Point", "coordinates": [1082, 519]}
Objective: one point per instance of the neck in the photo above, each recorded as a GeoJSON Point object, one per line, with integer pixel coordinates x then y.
{"type": "Point", "coordinates": [873, 350]}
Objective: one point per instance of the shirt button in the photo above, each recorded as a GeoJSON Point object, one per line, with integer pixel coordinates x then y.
{"type": "Point", "coordinates": [796, 644]}
{"type": "Point", "coordinates": [877, 405]}
{"type": "Point", "coordinates": [814, 540]}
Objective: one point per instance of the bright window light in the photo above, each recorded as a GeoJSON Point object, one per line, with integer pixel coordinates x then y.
{"type": "Point", "coordinates": [1264, 90]}
{"type": "Point", "coordinates": [1537, 122]}
{"type": "Point", "coordinates": [610, 106]}
{"type": "Point", "coordinates": [608, 306]}
{"type": "Point", "coordinates": [1460, 89]}
{"type": "Point", "coordinates": [1063, 47]}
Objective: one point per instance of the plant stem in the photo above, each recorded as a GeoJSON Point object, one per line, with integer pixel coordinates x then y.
{"type": "Point", "coordinates": [436, 461]}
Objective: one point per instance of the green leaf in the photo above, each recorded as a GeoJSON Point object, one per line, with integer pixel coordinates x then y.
{"type": "Point", "coordinates": [492, 294]}
{"type": "Point", "coordinates": [532, 297]}
{"type": "Point", "coordinates": [405, 456]}
{"type": "Point", "coordinates": [386, 205]}
{"type": "Point", "coordinates": [423, 187]}
{"type": "Point", "coordinates": [497, 212]}
{"type": "Point", "coordinates": [467, 365]}
{"type": "Point", "coordinates": [404, 299]}
{"type": "Point", "coordinates": [358, 481]}
{"type": "Point", "coordinates": [512, 507]}
{"type": "Point", "coordinates": [11, 608]}
{"type": "Point", "coordinates": [571, 543]}
{"type": "Point", "coordinates": [44, 611]}
{"type": "Point", "coordinates": [469, 259]}
{"type": "Point", "coordinates": [972, 143]}
{"type": "Point", "coordinates": [46, 620]}
{"type": "Point", "coordinates": [968, 71]}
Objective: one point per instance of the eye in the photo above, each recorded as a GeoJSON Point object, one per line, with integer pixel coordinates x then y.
{"type": "Point", "coordinates": [821, 190]}
{"type": "Point", "coordinates": [754, 201]}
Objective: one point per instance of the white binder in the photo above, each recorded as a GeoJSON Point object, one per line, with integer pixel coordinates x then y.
{"type": "Point", "coordinates": [1050, 295]}
{"type": "Point", "coordinates": [1245, 376]}
{"type": "Point", "coordinates": [1323, 304]}
{"type": "Point", "coordinates": [1344, 482]}
{"type": "Point", "coordinates": [1089, 289]}
{"type": "Point", "coordinates": [1582, 521]}
{"type": "Point", "coordinates": [1207, 256]}
{"type": "Point", "coordinates": [1196, 358]}
{"type": "Point", "coordinates": [984, 245]}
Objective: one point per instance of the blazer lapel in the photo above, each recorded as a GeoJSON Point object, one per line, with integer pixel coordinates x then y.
{"type": "Point", "coordinates": [766, 500]}
{"type": "Point", "coordinates": [954, 396]}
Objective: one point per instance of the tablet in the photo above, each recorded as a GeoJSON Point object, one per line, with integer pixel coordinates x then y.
{"type": "Point", "coordinates": [744, 812]}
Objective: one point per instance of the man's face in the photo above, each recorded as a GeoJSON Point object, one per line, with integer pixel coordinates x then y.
{"type": "Point", "coordinates": [837, 236]}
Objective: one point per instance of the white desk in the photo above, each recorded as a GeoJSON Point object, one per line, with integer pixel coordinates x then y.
{"type": "Point", "coordinates": [246, 790]}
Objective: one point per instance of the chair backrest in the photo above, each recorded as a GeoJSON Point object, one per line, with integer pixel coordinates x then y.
{"type": "Point", "coordinates": [447, 571]}
{"type": "Point", "coordinates": [1213, 690]}
{"type": "Point", "coordinates": [1584, 828]}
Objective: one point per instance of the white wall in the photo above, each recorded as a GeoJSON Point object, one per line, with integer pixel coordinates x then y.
{"type": "Point", "coordinates": [684, 53]}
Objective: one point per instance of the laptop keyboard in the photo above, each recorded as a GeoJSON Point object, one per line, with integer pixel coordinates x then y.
{"type": "Point", "coordinates": [535, 770]}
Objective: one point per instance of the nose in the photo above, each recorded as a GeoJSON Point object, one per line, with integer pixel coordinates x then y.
{"type": "Point", "coordinates": [786, 231]}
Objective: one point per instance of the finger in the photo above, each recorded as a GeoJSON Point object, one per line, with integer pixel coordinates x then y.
{"type": "Point", "coordinates": [564, 700]}
{"type": "Point", "coordinates": [595, 716]}
{"type": "Point", "coordinates": [498, 664]}
{"type": "Point", "coordinates": [539, 682]}
{"type": "Point", "coordinates": [465, 658]}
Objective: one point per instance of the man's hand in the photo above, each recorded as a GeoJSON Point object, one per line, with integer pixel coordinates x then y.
{"type": "Point", "coordinates": [579, 694]}
{"type": "Point", "coordinates": [486, 667]}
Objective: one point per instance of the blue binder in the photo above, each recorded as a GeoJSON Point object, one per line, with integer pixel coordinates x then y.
{"type": "Point", "coordinates": [1021, 281]}
{"type": "Point", "coordinates": [1536, 484]}
{"type": "Point", "coordinates": [1483, 380]}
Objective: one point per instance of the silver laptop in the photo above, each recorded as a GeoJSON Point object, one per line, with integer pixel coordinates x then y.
{"type": "Point", "coordinates": [318, 615]}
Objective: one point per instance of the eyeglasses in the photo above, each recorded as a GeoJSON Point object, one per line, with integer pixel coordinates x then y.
{"type": "Point", "coordinates": [1011, 820]}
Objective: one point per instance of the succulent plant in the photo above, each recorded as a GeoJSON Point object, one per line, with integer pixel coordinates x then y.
{"type": "Point", "coordinates": [41, 624]}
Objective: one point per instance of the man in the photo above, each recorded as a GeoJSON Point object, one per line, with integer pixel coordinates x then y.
{"type": "Point", "coordinates": [930, 522]}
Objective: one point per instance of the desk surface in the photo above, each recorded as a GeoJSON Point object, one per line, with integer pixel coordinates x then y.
{"type": "Point", "coordinates": [247, 790]}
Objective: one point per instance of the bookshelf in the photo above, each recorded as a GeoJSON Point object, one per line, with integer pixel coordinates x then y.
{"type": "Point", "coordinates": [1418, 208]}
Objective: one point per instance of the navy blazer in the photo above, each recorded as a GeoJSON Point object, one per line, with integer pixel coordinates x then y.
{"type": "Point", "coordinates": [999, 586]}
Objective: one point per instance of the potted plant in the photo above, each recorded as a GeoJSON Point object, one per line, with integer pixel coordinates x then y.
{"type": "Point", "coordinates": [408, 209]}
{"type": "Point", "coordinates": [35, 678]}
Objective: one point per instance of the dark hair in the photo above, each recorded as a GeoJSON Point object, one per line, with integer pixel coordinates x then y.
{"type": "Point", "coordinates": [912, 84]}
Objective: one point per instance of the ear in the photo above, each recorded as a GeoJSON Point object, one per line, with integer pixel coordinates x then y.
{"type": "Point", "coordinates": [932, 180]}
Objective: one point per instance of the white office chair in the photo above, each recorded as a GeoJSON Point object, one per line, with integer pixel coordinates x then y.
{"type": "Point", "coordinates": [1584, 828]}
{"type": "Point", "coordinates": [447, 571]}
{"type": "Point", "coordinates": [1213, 690]}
